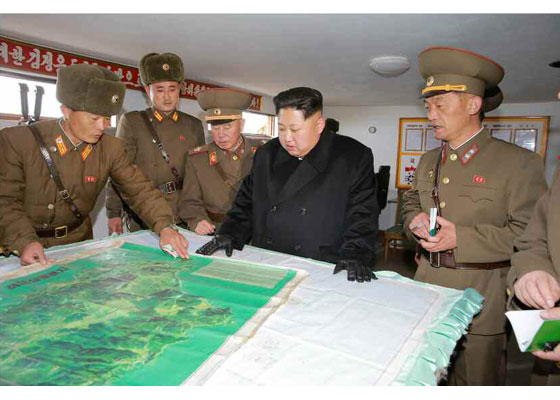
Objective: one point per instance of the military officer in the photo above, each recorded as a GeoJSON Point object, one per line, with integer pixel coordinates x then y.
{"type": "Point", "coordinates": [213, 172]}
{"type": "Point", "coordinates": [484, 190]}
{"type": "Point", "coordinates": [311, 193]}
{"type": "Point", "coordinates": [534, 277]}
{"type": "Point", "coordinates": [52, 172]}
{"type": "Point", "coordinates": [157, 139]}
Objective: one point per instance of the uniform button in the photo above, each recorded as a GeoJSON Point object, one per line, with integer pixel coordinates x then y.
{"type": "Point", "coordinates": [442, 204]}
{"type": "Point", "coordinates": [453, 157]}
{"type": "Point", "coordinates": [445, 180]}
{"type": "Point", "coordinates": [45, 226]}
{"type": "Point", "coordinates": [235, 158]}
{"type": "Point", "coordinates": [430, 174]}
{"type": "Point", "coordinates": [53, 149]}
{"type": "Point", "coordinates": [303, 211]}
{"type": "Point", "coordinates": [273, 209]}
{"type": "Point", "coordinates": [50, 206]}
{"type": "Point", "coordinates": [297, 247]}
{"type": "Point", "coordinates": [269, 241]}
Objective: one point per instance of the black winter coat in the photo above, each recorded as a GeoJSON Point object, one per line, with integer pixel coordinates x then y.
{"type": "Point", "coordinates": [326, 210]}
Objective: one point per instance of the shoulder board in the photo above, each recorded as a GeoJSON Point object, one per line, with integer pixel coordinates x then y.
{"type": "Point", "coordinates": [198, 150]}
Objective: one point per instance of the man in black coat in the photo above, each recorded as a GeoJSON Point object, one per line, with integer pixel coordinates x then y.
{"type": "Point", "coordinates": [310, 193]}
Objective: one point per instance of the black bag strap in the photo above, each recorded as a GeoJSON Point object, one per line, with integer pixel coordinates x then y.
{"type": "Point", "coordinates": [54, 173]}
{"type": "Point", "coordinates": [435, 187]}
{"type": "Point", "coordinates": [157, 142]}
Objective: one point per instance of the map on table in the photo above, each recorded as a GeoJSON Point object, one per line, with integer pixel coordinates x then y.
{"type": "Point", "coordinates": [129, 315]}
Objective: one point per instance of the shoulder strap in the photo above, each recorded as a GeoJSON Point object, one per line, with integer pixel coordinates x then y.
{"type": "Point", "coordinates": [157, 142]}
{"type": "Point", "coordinates": [223, 175]}
{"type": "Point", "coordinates": [54, 173]}
{"type": "Point", "coordinates": [435, 190]}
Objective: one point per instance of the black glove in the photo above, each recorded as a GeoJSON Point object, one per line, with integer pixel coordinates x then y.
{"type": "Point", "coordinates": [219, 242]}
{"type": "Point", "coordinates": [357, 270]}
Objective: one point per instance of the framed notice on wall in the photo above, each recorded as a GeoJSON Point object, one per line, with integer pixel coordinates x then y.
{"type": "Point", "coordinates": [416, 137]}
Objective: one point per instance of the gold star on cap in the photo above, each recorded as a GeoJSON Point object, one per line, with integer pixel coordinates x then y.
{"type": "Point", "coordinates": [430, 81]}
{"type": "Point", "coordinates": [115, 98]}
{"type": "Point", "coordinates": [165, 67]}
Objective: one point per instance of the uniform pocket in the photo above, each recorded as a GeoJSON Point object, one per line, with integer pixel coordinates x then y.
{"type": "Point", "coordinates": [478, 193]}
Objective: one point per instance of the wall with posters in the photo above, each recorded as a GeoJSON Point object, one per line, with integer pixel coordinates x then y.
{"type": "Point", "coordinates": [356, 121]}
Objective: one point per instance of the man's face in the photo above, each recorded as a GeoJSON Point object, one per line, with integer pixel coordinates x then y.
{"type": "Point", "coordinates": [449, 114]}
{"type": "Point", "coordinates": [298, 136]}
{"type": "Point", "coordinates": [84, 126]}
{"type": "Point", "coordinates": [227, 136]}
{"type": "Point", "coordinates": [164, 95]}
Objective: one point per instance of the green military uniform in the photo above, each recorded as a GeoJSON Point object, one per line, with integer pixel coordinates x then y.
{"type": "Point", "coordinates": [29, 199]}
{"type": "Point", "coordinates": [212, 178]}
{"type": "Point", "coordinates": [538, 250]}
{"type": "Point", "coordinates": [213, 175]}
{"type": "Point", "coordinates": [488, 189]}
{"type": "Point", "coordinates": [178, 132]}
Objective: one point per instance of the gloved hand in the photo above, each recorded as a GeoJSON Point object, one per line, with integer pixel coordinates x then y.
{"type": "Point", "coordinates": [217, 243]}
{"type": "Point", "coordinates": [357, 270]}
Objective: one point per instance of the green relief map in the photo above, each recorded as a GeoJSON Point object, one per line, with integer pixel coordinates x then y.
{"type": "Point", "coordinates": [126, 316]}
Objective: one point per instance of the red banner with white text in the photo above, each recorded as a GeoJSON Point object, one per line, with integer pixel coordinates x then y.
{"type": "Point", "coordinates": [17, 55]}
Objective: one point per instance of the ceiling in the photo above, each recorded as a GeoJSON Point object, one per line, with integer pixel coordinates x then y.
{"type": "Point", "coordinates": [268, 53]}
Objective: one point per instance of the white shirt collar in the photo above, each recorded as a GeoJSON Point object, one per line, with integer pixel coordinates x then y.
{"type": "Point", "coordinates": [466, 141]}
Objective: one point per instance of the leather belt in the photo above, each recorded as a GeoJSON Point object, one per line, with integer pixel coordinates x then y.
{"type": "Point", "coordinates": [446, 260]}
{"type": "Point", "coordinates": [170, 187]}
{"type": "Point", "coordinates": [59, 232]}
{"type": "Point", "coordinates": [216, 217]}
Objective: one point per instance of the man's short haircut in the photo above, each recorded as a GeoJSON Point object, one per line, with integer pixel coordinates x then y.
{"type": "Point", "coordinates": [305, 99]}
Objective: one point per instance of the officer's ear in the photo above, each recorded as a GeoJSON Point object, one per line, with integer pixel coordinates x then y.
{"type": "Point", "coordinates": [65, 112]}
{"type": "Point", "coordinates": [474, 104]}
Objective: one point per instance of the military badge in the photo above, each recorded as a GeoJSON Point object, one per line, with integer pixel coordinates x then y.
{"type": "Point", "coordinates": [430, 81]}
{"type": "Point", "coordinates": [158, 116]}
{"type": "Point", "coordinates": [479, 179]}
{"type": "Point", "coordinates": [253, 149]}
{"type": "Point", "coordinates": [165, 67]}
{"type": "Point", "coordinates": [181, 137]}
{"type": "Point", "coordinates": [217, 111]}
{"type": "Point", "coordinates": [86, 151]}
{"type": "Point", "coordinates": [213, 158]}
{"type": "Point", "coordinates": [61, 146]}
{"type": "Point", "coordinates": [115, 98]}
{"type": "Point", "coordinates": [469, 154]}
{"type": "Point", "coordinates": [90, 179]}
{"type": "Point", "coordinates": [175, 116]}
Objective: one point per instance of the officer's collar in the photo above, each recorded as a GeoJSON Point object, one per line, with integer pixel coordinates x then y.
{"type": "Point", "coordinates": [62, 143]}
{"type": "Point", "coordinates": [159, 116]}
{"type": "Point", "coordinates": [467, 141]}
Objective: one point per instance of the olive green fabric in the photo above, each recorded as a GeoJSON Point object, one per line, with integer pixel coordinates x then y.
{"type": "Point", "coordinates": [223, 104]}
{"type": "Point", "coordinates": [177, 138]}
{"type": "Point", "coordinates": [163, 67]}
{"type": "Point", "coordinates": [447, 69]}
{"type": "Point", "coordinates": [488, 216]}
{"type": "Point", "coordinates": [29, 198]}
{"type": "Point", "coordinates": [84, 87]}
{"type": "Point", "coordinates": [204, 189]}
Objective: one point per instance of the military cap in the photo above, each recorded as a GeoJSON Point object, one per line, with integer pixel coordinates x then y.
{"type": "Point", "coordinates": [156, 67]}
{"type": "Point", "coordinates": [91, 88]}
{"type": "Point", "coordinates": [223, 104]}
{"type": "Point", "coordinates": [449, 69]}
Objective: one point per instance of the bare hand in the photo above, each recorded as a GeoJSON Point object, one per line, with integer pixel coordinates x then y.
{"type": "Point", "coordinates": [204, 228]}
{"type": "Point", "coordinates": [175, 239]}
{"type": "Point", "coordinates": [553, 313]}
{"type": "Point", "coordinates": [537, 289]}
{"type": "Point", "coordinates": [420, 226]}
{"type": "Point", "coordinates": [445, 239]}
{"type": "Point", "coordinates": [115, 226]}
{"type": "Point", "coordinates": [34, 252]}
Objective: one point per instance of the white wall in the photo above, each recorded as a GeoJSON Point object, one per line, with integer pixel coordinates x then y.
{"type": "Point", "coordinates": [136, 100]}
{"type": "Point", "coordinates": [355, 121]}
